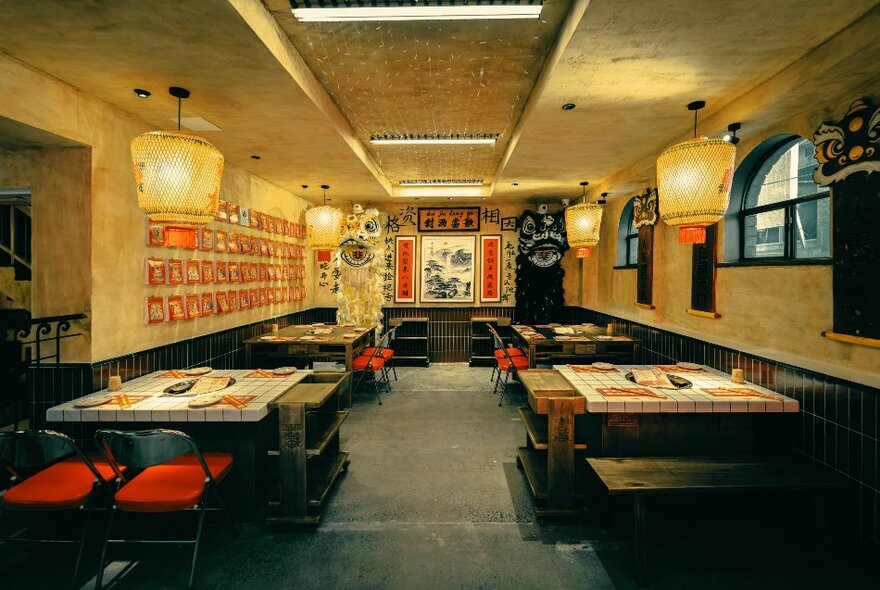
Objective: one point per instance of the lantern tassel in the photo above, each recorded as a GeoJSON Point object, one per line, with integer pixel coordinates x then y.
{"type": "Point", "coordinates": [584, 252]}
{"type": "Point", "coordinates": [692, 234]}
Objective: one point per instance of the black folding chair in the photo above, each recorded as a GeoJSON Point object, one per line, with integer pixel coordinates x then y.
{"type": "Point", "coordinates": [175, 476]}
{"type": "Point", "coordinates": [371, 364]}
{"type": "Point", "coordinates": [60, 477]}
{"type": "Point", "coordinates": [506, 364]}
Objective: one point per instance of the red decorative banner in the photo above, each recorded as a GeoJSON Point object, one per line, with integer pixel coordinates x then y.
{"type": "Point", "coordinates": [490, 272]}
{"type": "Point", "coordinates": [404, 269]}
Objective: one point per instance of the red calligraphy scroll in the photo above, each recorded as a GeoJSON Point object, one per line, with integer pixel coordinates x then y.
{"type": "Point", "coordinates": [490, 272]}
{"type": "Point", "coordinates": [404, 269]}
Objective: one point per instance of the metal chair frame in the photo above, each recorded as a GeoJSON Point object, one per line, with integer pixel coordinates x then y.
{"type": "Point", "coordinates": [390, 363]}
{"type": "Point", "coordinates": [30, 448]}
{"type": "Point", "coordinates": [146, 448]}
{"type": "Point", "coordinates": [377, 353]}
{"type": "Point", "coordinates": [511, 367]}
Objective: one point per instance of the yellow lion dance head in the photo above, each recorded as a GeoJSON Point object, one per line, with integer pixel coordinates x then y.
{"type": "Point", "coordinates": [361, 235]}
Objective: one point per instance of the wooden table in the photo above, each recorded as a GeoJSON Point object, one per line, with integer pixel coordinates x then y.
{"type": "Point", "coordinates": [298, 342]}
{"type": "Point", "coordinates": [248, 433]}
{"type": "Point", "coordinates": [679, 422]}
{"type": "Point", "coordinates": [310, 457]}
{"type": "Point", "coordinates": [640, 477]}
{"type": "Point", "coordinates": [548, 457]}
{"type": "Point", "coordinates": [586, 342]}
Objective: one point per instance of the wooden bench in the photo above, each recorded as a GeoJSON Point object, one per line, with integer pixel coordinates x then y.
{"type": "Point", "coordinates": [642, 476]}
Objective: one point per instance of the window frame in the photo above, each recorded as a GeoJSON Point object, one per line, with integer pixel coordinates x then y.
{"type": "Point", "coordinates": [788, 207]}
{"type": "Point", "coordinates": [625, 240]}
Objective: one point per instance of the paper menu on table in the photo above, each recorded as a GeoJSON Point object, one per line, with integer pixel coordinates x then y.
{"type": "Point", "coordinates": [209, 384]}
{"type": "Point", "coordinates": [652, 378]}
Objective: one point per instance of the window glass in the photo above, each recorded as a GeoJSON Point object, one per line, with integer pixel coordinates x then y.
{"type": "Point", "coordinates": [785, 175]}
{"type": "Point", "coordinates": [627, 237]}
{"type": "Point", "coordinates": [772, 226]}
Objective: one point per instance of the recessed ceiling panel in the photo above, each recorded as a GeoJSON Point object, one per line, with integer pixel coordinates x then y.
{"type": "Point", "coordinates": [436, 78]}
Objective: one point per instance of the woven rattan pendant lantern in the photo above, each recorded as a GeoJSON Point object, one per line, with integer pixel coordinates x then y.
{"type": "Point", "coordinates": [693, 183]}
{"type": "Point", "coordinates": [323, 228]}
{"type": "Point", "coordinates": [178, 179]}
{"type": "Point", "coordinates": [582, 224]}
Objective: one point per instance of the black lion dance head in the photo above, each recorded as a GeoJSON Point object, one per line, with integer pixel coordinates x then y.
{"type": "Point", "coordinates": [542, 242]}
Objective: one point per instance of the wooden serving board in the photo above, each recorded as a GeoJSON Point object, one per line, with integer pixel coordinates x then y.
{"type": "Point", "coordinates": [311, 394]}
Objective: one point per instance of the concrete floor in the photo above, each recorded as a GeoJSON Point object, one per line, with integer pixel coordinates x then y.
{"type": "Point", "coordinates": [433, 499]}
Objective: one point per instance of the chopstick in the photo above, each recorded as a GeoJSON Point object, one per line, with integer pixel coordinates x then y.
{"type": "Point", "coordinates": [234, 402]}
{"type": "Point", "coordinates": [636, 392]}
{"type": "Point", "coordinates": [122, 400]}
{"type": "Point", "coordinates": [744, 392]}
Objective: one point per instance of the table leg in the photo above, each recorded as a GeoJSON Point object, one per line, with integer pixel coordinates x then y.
{"type": "Point", "coordinates": [348, 357]}
{"type": "Point", "coordinates": [640, 540]}
{"type": "Point", "coordinates": [532, 362]}
{"type": "Point", "coordinates": [292, 463]}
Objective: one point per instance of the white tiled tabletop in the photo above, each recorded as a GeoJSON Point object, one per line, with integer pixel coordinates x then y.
{"type": "Point", "coordinates": [692, 400]}
{"type": "Point", "coordinates": [162, 408]}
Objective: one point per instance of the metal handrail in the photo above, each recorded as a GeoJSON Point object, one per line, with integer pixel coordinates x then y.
{"type": "Point", "coordinates": [44, 333]}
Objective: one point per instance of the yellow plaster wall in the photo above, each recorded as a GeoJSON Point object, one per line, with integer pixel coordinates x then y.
{"type": "Point", "coordinates": [398, 213]}
{"type": "Point", "coordinates": [117, 247]}
{"type": "Point", "coordinates": [60, 183]}
{"type": "Point", "coordinates": [777, 312]}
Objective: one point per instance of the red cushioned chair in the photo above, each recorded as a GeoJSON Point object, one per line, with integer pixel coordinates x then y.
{"type": "Point", "coordinates": [175, 476]}
{"type": "Point", "coordinates": [499, 352]}
{"type": "Point", "coordinates": [373, 364]}
{"type": "Point", "coordinates": [507, 364]}
{"type": "Point", "coordinates": [62, 478]}
{"type": "Point", "coordinates": [387, 354]}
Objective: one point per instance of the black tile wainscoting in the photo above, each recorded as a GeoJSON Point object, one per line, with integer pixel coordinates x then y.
{"type": "Point", "coordinates": [837, 425]}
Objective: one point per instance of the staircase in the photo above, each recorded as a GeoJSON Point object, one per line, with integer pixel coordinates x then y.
{"type": "Point", "coordinates": [15, 304]}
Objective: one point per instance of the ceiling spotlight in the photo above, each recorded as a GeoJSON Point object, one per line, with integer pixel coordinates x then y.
{"type": "Point", "coordinates": [308, 11]}
{"type": "Point", "coordinates": [304, 186]}
{"type": "Point", "coordinates": [141, 93]}
{"type": "Point", "coordinates": [255, 157]}
{"type": "Point", "coordinates": [565, 202]}
{"type": "Point", "coordinates": [515, 183]}
{"type": "Point", "coordinates": [568, 106]}
{"type": "Point", "coordinates": [731, 137]}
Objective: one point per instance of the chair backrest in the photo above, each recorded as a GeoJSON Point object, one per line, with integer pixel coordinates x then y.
{"type": "Point", "coordinates": [499, 345]}
{"type": "Point", "coordinates": [25, 449]}
{"type": "Point", "coordinates": [139, 449]}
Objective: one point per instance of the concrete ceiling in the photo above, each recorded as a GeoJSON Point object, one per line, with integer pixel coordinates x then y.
{"type": "Point", "coordinates": [307, 97]}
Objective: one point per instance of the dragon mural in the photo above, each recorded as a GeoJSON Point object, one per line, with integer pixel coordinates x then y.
{"type": "Point", "coordinates": [539, 273]}
{"type": "Point", "coordinates": [359, 259]}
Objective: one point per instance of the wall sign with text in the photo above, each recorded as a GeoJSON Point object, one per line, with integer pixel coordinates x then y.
{"type": "Point", "coordinates": [490, 269]}
{"type": "Point", "coordinates": [404, 269]}
{"type": "Point", "coordinates": [456, 219]}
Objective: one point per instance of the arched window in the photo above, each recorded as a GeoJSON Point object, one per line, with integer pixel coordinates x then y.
{"type": "Point", "coordinates": [627, 238]}
{"type": "Point", "coordinates": [785, 215]}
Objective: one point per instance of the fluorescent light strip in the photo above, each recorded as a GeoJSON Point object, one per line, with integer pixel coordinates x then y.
{"type": "Point", "coordinates": [441, 183]}
{"type": "Point", "coordinates": [329, 14]}
{"type": "Point", "coordinates": [433, 140]}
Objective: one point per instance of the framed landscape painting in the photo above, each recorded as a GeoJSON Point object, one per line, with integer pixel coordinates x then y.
{"type": "Point", "coordinates": [447, 269]}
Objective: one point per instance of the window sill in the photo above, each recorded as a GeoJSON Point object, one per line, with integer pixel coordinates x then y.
{"type": "Point", "coordinates": [778, 262]}
{"type": "Point", "coordinates": [627, 267]}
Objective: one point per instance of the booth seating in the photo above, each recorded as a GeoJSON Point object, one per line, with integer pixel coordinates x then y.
{"type": "Point", "coordinates": [66, 479]}
{"type": "Point", "coordinates": [174, 476]}
{"type": "Point", "coordinates": [639, 477]}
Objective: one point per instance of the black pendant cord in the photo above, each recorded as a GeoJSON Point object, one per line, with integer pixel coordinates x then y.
{"type": "Point", "coordinates": [324, 187]}
{"type": "Point", "coordinates": [584, 195]}
{"type": "Point", "coordinates": [695, 123]}
{"type": "Point", "coordinates": [178, 112]}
